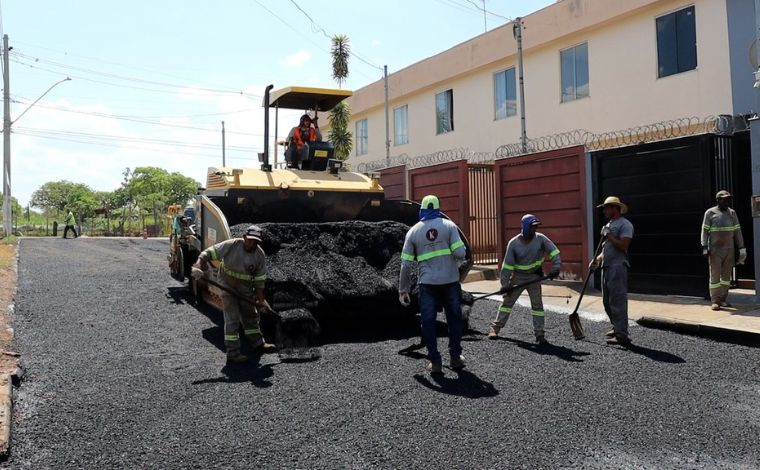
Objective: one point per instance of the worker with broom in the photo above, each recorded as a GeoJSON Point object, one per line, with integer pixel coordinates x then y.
{"type": "Point", "coordinates": [243, 275]}
{"type": "Point", "coordinates": [522, 268]}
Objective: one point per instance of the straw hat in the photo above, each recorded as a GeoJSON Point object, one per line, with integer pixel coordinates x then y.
{"type": "Point", "coordinates": [614, 201]}
{"type": "Point", "coordinates": [722, 193]}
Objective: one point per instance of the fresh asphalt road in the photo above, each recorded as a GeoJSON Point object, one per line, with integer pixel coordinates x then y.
{"type": "Point", "coordinates": [122, 371]}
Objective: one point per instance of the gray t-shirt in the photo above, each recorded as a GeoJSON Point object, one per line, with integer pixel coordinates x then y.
{"type": "Point", "coordinates": [620, 228]}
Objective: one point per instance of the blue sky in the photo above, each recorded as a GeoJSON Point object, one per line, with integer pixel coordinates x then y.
{"type": "Point", "coordinates": [152, 80]}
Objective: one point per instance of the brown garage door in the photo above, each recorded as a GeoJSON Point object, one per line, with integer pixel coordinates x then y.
{"type": "Point", "coordinates": [552, 186]}
{"type": "Point", "coordinates": [449, 182]}
{"type": "Point", "coordinates": [393, 181]}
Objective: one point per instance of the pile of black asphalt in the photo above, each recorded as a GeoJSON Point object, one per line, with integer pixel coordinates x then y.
{"type": "Point", "coordinates": [124, 370]}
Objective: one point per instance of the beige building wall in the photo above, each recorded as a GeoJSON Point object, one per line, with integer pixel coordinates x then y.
{"type": "Point", "coordinates": [624, 90]}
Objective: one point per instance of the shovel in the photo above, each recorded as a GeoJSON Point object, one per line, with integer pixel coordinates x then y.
{"type": "Point", "coordinates": [508, 290]}
{"type": "Point", "coordinates": [575, 319]}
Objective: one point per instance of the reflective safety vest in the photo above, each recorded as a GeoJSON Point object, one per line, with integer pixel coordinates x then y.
{"type": "Point", "coordinates": [240, 269]}
{"type": "Point", "coordinates": [69, 219]}
{"type": "Point", "coordinates": [528, 257]}
{"type": "Point", "coordinates": [721, 229]}
{"type": "Point", "coordinates": [299, 140]}
{"type": "Point", "coordinates": [437, 248]}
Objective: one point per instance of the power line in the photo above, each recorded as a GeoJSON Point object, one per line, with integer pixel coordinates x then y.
{"type": "Point", "coordinates": [483, 9]}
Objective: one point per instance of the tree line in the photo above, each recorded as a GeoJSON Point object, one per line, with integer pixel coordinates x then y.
{"type": "Point", "coordinates": [142, 198]}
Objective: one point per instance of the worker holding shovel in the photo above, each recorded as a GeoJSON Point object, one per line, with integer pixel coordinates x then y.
{"type": "Point", "coordinates": [242, 275]}
{"type": "Point", "coordinates": [522, 267]}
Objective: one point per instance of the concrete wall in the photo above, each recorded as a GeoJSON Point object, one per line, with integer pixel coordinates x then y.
{"type": "Point", "coordinates": [741, 34]}
{"type": "Point", "coordinates": [624, 88]}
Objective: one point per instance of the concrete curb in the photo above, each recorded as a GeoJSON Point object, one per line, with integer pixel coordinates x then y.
{"type": "Point", "coordinates": [6, 415]}
{"type": "Point", "coordinates": [745, 338]}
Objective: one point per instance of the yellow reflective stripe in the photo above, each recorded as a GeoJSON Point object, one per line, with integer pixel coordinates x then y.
{"type": "Point", "coordinates": [212, 252]}
{"type": "Point", "coordinates": [433, 254]}
{"type": "Point", "coordinates": [724, 229]}
{"type": "Point", "coordinates": [236, 275]}
{"type": "Point", "coordinates": [725, 283]}
{"type": "Point", "coordinates": [538, 313]}
{"type": "Point", "coordinates": [234, 337]}
{"type": "Point", "coordinates": [252, 331]}
{"type": "Point", "coordinates": [715, 286]}
{"type": "Point", "coordinates": [262, 277]}
{"type": "Point", "coordinates": [505, 309]}
{"type": "Point", "coordinates": [456, 245]}
{"type": "Point", "coordinates": [508, 267]}
{"type": "Point", "coordinates": [706, 228]}
{"type": "Point", "coordinates": [554, 253]}
{"type": "Point", "coordinates": [529, 267]}
{"type": "Point", "coordinates": [407, 257]}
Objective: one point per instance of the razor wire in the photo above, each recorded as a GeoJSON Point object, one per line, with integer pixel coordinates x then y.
{"type": "Point", "coordinates": [663, 130]}
{"type": "Point", "coordinates": [435, 158]}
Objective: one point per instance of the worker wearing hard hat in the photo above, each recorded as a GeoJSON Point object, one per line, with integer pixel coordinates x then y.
{"type": "Point", "coordinates": [523, 259]}
{"type": "Point", "coordinates": [616, 235]}
{"type": "Point", "coordinates": [721, 235]}
{"type": "Point", "coordinates": [435, 245]}
{"type": "Point", "coordinates": [243, 272]}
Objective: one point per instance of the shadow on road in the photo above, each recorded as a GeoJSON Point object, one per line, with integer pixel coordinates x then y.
{"type": "Point", "coordinates": [466, 384]}
{"type": "Point", "coordinates": [566, 354]}
{"type": "Point", "coordinates": [252, 372]}
{"type": "Point", "coordinates": [655, 355]}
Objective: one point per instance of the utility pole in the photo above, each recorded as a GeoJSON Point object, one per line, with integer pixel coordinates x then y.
{"type": "Point", "coordinates": [7, 222]}
{"type": "Point", "coordinates": [387, 128]}
{"type": "Point", "coordinates": [517, 31]}
{"type": "Point", "coordinates": [485, 22]}
{"type": "Point", "coordinates": [224, 162]}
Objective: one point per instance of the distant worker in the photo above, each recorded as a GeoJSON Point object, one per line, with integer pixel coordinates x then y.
{"type": "Point", "coordinates": [435, 245]}
{"type": "Point", "coordinates": [721, 235]}
{"type": "Point", "coordinates": [243, 272]}
{"type": "Point", "coordinates": [299, 138]}
{"type": "Point", "coordinates": [69, 223]}
{"type": "Point", "coordinates": [617, 235]}
{"type": "Point", "coordinates": [523, 259]}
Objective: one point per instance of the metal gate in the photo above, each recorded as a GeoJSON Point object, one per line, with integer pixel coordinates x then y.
{"type": "Point", "coordinates": [393, 181]}
{"type": "Point", "coordinates": [484, 231]}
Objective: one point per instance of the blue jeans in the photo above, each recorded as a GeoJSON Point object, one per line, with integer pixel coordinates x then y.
{"type": "Point", "coordinates": [450, 297]}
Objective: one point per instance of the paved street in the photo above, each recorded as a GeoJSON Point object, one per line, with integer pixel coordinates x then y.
{"type": "Point", "coordinates": [122, 371]}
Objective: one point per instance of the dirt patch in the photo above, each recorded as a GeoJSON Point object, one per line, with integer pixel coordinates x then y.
{"type": "Point", "coordinates": [8, 363]}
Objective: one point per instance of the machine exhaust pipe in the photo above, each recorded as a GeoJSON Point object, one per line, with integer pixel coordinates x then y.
{"type": "Point", "coordinates": [264, 157]}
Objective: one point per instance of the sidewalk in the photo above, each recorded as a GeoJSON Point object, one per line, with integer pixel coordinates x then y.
{"type": "Point", "coordinates": [685, 314]}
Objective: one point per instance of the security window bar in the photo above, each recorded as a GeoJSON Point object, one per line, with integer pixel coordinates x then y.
{"type": "Point", "coordinates": [676, 42]}
{"type": "Point", "coordinates": [574, 64]}
{"type": "Point", "coordinates": [444, 112]}
{"type": "Point", "coordinates": [401, 125]}
{"type": "Point", "coordinates": [361, 137]}
{"type": "Point", "coordinates": [504, 94]}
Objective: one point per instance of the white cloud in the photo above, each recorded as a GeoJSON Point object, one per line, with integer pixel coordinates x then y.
{"type": "Point", "coordinates": [297, 59]}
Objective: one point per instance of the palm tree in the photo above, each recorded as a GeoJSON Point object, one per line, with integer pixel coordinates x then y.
{"type": "Point", "coordinates": [340, 116]}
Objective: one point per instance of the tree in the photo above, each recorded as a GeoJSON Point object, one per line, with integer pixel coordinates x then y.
{"type": "Point", "coordinates": [340, 116]}
{"type": "Point", "coordinates": [154, 188]}
{"type": "Point", "coordinates": [59, 195]}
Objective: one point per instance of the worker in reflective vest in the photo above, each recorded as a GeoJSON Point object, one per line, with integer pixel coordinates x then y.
{"type": "Point", "coordinates": [299, 138]}
{"type": "Point", "coordinates": [243, 272]}
{"type": "Point", "coordinates": [434, 244]}
{"type": "Point", "coordinates": [522, 264]}
{"type": "Point", "coordinates": [721, 235]}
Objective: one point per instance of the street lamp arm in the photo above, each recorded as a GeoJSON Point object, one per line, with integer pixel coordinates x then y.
{"type": "Point", "coordinates": [41, 96]}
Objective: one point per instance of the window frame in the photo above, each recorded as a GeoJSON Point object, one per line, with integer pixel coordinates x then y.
{"type": "Point", "coordinates": [495, 106]}
{"type": "Point", "coordinates": [450, 105]}
{"type": "Point", "coordinates": [657, 48]}
{"type": "Point", "coordinates": [362, 137]}
{"type": "Point", "coordinates": [395, 132]}
{"type": "Point", "coordinates": [575, 73]}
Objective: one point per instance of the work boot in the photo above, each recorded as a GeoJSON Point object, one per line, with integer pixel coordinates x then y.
{"type": "Point", "coordinates": [434, 367]}
{"type": "Point", "coordinates": [235, 357]}
{"type": "Point", "coordinates": [265, 348]}
{"type": "Point", "coordinates": [541, 339]}
{"type": "Point", "coordinates": [715, 307]}
{"type": "Point", "coordinates": [493, 333]}
{"type": "Point", "coordinates": [457, 363]}
{"type": "Point", "coordinates": [619, 340]}
{"type": "Point", "coordinates": [610, 334]}
{"type": "Point", "coordinates": [726, 304]}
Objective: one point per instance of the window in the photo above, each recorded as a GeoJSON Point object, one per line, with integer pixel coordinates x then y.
{"type": "Point", "coordinates": [574, 63]}
{"type": "Point", "coordinates": [444, 112]}
{"type": "Point", "coordinates": [400, 126]}
{"type": "Point", "coordinates": [504, 94]}
{"type": "Point", "coordinates": [361, 137]}
{"type": "Point", "coordinates": [676, 42]}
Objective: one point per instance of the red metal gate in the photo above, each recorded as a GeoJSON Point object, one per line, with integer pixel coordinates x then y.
{"type": "Point", "coordinates": [551, 185]}
{"type": "Point", "coordinates": [484, 227]}
{"type": "Point", "coordinates": [449, 182]}
{"type": "Point", "coordinates": [393, 181]}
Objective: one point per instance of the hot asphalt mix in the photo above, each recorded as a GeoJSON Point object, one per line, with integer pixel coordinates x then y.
{"type": "Point", "coordinates": [124, 371]}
